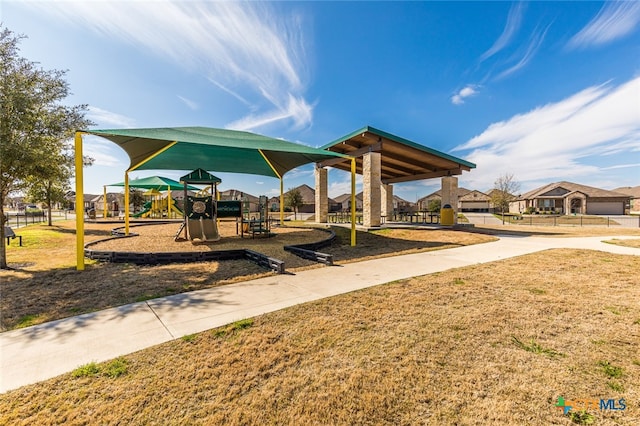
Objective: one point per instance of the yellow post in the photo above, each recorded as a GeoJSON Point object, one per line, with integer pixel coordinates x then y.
{"type": "Point", "coordinates": [104, 201]}
{"type": "Point", "coordinates": [169, 202]}
{"type": "Point", "coordinates": [126, 203]}
{"type": "Point", "coordinates": [281, 202]}
{"type": "Point", "coordinates": [79, 203]}
{"type": "Point", "coordinates": [353, 202]}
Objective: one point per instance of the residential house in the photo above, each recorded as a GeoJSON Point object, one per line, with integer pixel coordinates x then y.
{"type": "Point", "coordinates": [634, 201]}
{"type": "Point", "coordinates": [308, 200]}
{"type": "Point", "coordinates": [344, 202]}
{"type": "Point", "coordinates": [250, 203]}
{"type": "Point", "coordinates": [468, 200]}
{"type": "Point", "coordinates": [570, 198]}
{"type": "Point", "coordinates": [401, 205]}
{"type": "Point", "coordinates": [115, 203]}
{"type": "Point", "coordinates": [87, 199]}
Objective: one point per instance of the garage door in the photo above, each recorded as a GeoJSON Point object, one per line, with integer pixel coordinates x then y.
{"type": "Point", "coordinates": [605, 208]}
{"type": "Point", "coordinates": [474, 205]}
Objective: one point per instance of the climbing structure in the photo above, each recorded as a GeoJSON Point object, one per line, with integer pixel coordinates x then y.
{"type": "Point", "coordinates": [200, 224]}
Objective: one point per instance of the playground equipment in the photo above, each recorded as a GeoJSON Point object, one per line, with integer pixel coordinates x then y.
{"type": "Point", "coordinates": [200, 216]}
{"type": "Point", "coordinates": [160, 208]}
{"type": "Point", "coordinates": [201, 219]}
{"type": "Point", "coordinates": [257, 224]}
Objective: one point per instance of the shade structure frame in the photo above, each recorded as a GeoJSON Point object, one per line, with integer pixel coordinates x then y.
{"type": "Point", "coordinates": [209, 149]}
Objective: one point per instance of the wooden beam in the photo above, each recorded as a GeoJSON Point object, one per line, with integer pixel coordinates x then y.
{"type": "Point", "coordinates": [376, 147]}
{"type": "Point", "coordinates": [421, 176]}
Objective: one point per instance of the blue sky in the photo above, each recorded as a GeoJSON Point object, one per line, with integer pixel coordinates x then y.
{"type": "Point", "coordinates": [546, 91]}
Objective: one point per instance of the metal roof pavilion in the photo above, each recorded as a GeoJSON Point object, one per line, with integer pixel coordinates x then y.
{"type": "Point", "coordinates": [401, 160]}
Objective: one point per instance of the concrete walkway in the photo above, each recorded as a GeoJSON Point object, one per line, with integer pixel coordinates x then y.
{"type": "Point", "coordinates": [40, 352]}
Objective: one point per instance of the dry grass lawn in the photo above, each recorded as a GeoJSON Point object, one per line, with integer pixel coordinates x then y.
{"type": "Point", "coordinates": [487, 344]}
{"type": "Point", "coordinates": [626, 242]}
{"type": "Point", "coordinates": [44, 285]}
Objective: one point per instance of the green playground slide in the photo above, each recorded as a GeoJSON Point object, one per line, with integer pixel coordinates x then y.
{"type": "Point", "coordinates": [146, 209]}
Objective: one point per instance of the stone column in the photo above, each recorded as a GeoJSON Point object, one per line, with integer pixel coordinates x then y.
{"type": "Point", "coordinates": [386, 194]}
{"type": "Point", "coordinates": [450, 195]}
{"type": "Point", "coordinates": [322, 198]}
{"type": "Point", "coordinates": [371, 168]}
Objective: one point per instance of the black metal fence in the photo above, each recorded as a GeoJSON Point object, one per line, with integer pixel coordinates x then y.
{"type": "Point", "coordinates": [414, 217]}
{"type": "Point", "coordinates": [626, 221]}
{"type": "Point", "coordinates": [18, 219]}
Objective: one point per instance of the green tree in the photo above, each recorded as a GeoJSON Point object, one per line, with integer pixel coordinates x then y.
{"type": "Point", "coordinates": [35, 127]}
{"type": "Point", "coordinates": [51, 182]}
{"type": "Point", "coordinates": [504, 189]}
{"type": "Point", "coordinates": [136, 198]}
{"type": "Point", "coordinates": [293, 199]}
{"type": "Point", "coordinates": [434, 205]}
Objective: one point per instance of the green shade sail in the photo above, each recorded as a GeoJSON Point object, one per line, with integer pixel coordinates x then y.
{"type": "Point", "coordinates": [188, 148]}
{"type": "Point", "coordinates": [158, 183]}
{"type": "Point", "coordinates": [200, 176]}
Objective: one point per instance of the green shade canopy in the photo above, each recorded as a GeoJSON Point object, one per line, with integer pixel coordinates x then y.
{"type": "Point", "coordinates": [200, 176]}
{"type": "Point", "coordinates": [187, 148]}
{"type": "Point", "coordinates": [156, 182]}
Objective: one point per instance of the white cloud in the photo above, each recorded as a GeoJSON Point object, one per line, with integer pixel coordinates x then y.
{"type": "Point", "coordinates": [104, 118]}
{"type": "Point", "coordinates": [188, 102]}
{"type": "Point", "coordinates": [532, 48]}
{"type": "Point", "coordinates": [245, 48]}
{"type": "Point", "coordinates": [514, 20]}
{"type": "Point", "coordinates": [469, 90]}
{"type": "Point", "coordinates": [616, 19]}
{"type": "Point", "coordinates": [103, 151]}
{"type": "Point", "coordinates": [340, 183]}
{"type": "Point", "coordinates": [553, 142]}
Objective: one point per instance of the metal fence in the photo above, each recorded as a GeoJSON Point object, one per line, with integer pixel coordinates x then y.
{"type": "Point", "coordinates": [570, 220]}
{"type": "Point", "coordinates": [415, 217]}
{"type": "Point", "coordinates": [18, 219]}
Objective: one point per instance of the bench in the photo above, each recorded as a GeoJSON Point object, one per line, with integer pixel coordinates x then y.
{"type": "Point", "coordinates": [10, 235]}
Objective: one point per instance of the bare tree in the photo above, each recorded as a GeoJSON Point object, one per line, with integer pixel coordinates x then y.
{"type": "Point", "coordinates": [504, 191]}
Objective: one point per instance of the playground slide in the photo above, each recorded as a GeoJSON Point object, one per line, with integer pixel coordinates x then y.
{"type": "Point", "coordinates": [146, 210]}
{"type": "Point", "coordinates": [176, 210]}
{"type": "Point", "coordinates": [203, 230]}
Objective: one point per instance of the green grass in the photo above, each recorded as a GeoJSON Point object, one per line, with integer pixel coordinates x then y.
{"type": "Point", "coordinates": [581, 417]}
{"type": "Point", "coordinates": [115, 368]}
{"type": "Point", "coordinates": [535, 348]}
{"type": "Point", "coordinates": [537, 291]}
{"type": "Point", "coordinates": [28, 321]}
{"type": "Point", "coordinates": [88, 370]}
{"type": "Point", "coordinates": [615, 386]}
{"type": "Point", "coordinates": [232, 328]}
{"type": "Point", "coordinates": [189, 338]}
{"type": "Point", "coordinates": [112, 369]}
{"type": "Point", "coordinates": [610, 370]}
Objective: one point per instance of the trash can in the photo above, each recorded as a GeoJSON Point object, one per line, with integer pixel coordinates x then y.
{"type": "Point", "coordinates": [446, 215]}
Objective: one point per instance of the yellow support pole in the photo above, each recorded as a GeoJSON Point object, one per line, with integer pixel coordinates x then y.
{"type": "Point", "coordinates": [126, 203]}
{"type": "Point", "coordinates": [281, 202]}
{"type": "Point", "coordinates": [104, 201]}
{"type": "Point", "coordinates": [353, 202]}
{"type": "Point", "coordinates": [79, 202]}
{"type": "Point", "coordinates": [281, 186]}
{"type": "Point", "coordinates": [169, 201]}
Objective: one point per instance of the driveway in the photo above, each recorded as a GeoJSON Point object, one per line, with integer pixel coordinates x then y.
{"type": "Point", "coordinates": [482, 218]}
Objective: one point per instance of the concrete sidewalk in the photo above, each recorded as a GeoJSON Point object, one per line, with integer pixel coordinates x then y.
{"type": "Point", "coordinates": [40, 352]}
